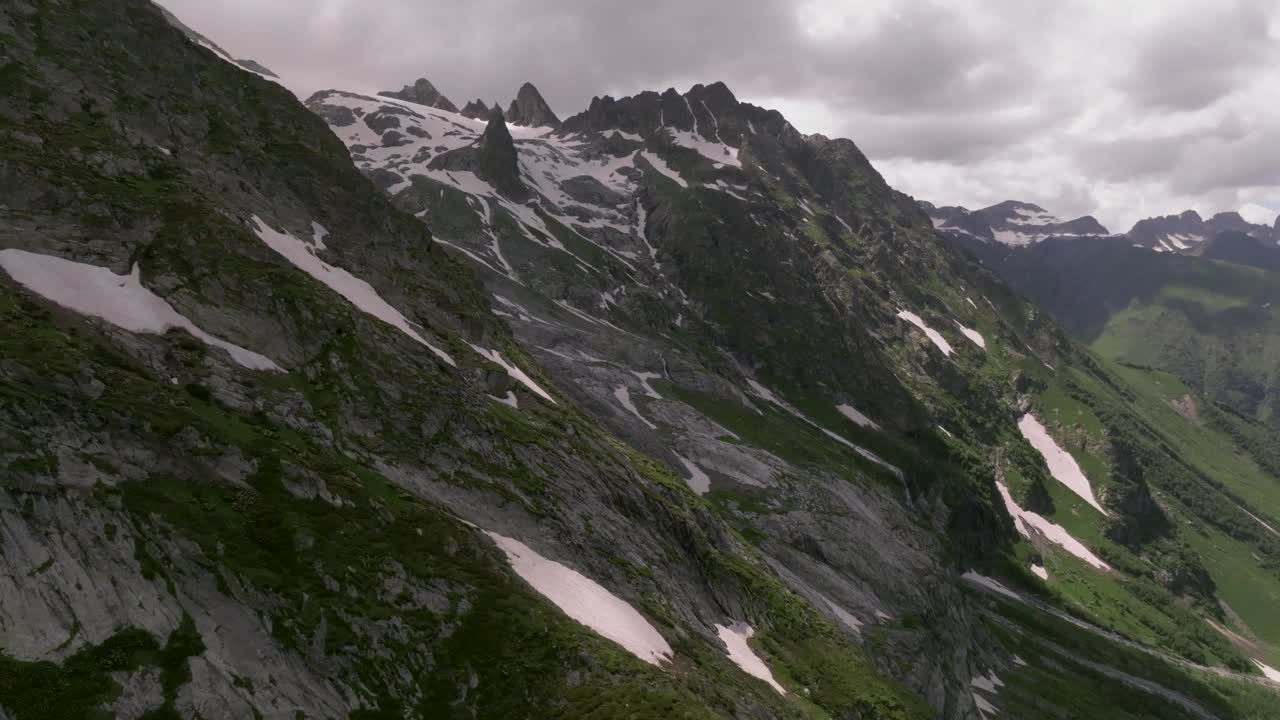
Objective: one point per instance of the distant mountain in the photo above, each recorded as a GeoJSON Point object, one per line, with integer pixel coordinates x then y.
{"type": "Point", "coordinates": [1208, 319]}
{"type": "Point", "coordinates": [422, 92]}
{"type": "Point", "coordinates": [1186, 233]}
{"type": "Point", "coordinates": [529, 109]}
{"type": "Point", "coordinates": [1240, 248]}
{"type": "Point", "coordinates": [1012, 223]}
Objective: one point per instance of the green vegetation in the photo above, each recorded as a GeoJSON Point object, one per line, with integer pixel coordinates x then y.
{"type": "Point", "coordinates": [82, 683]}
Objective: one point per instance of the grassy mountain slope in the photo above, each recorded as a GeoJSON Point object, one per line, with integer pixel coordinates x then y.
{"type": "Point", "coordinates": [718, 315]}
{"type": "Point", "coordinates": [186, 536]}
{"type": "Point", "coordinates": [1212, 323]}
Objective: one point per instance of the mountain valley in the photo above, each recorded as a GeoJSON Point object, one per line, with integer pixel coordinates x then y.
{"type": "Point", "coordinates": [361, 405]}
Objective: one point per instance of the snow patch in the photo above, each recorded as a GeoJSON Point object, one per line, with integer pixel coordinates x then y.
{"type": "Point", "coordinates": [929, 332]}
{"type": "Point", "coordinates": [984, 707]}
{"type": "Point", "coordinates": [1025, 216]}
{"type": "Point", "coordinates": [1040, 572]}
{"type": "Point", "coordinates": [973, 335]}
{"type": "Point", "coordinates": [623, 396]}
{"type": "Point", "coordinates": [510, 399]}
{"type": "Point", "coordinates": [121, 300]}
{"type": "Point", "coordinates": [359, 293]}
{"type": "Point", "coordinates": [1025, 519]}
{"type": "Point", "coordinates": [586, 601]}
{"type": "Point", "coordinates": [1062, 466]}
{"type": "Point", "coordinates": [852, 413]}
{"type": "Point", "coordinates": [699, 482]}
{"type": "Point", "coordinates": [644, 378]}
{"type": "Point", "coordinates": [765, 393]}
{"type": "Point", "coordinates": [843, 615]}
{"type": "Point", "coordinates": [661, 166]}
{"type": "Point", "coordinates": [990, 584]}
{"type": "Point", "coordinates": [987, 683]}
{"type": "Point", "coordinates": [514, 371]}
{"type": "Point", "coordinates": [735, 638]}
{"type": "Point", "coordinates": [1268, 671]}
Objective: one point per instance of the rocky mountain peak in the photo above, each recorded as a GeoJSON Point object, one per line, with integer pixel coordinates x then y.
{"type": "Point", "coordinates": [492, 157]}
{"type": "Point", "coordinates": [1186, 232]}
{"type": "Point", "coordinates": [497, 159]}
{"type": "Point", "coordinates": [476, 110]}
{"type": "Point", "coordinates": [530, 109]}
{"type": "Point", "coordinates": [422, 92]}
{"type": "Point", "coordinates": [1012, 222]}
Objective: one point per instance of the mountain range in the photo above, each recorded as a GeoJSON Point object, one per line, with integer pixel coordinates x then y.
{"type": "Point", "coordinates": [1017, 223]}
{"type": "Point", "coordinates": [364, 406]}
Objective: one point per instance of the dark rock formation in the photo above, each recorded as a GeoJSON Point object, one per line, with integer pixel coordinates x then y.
{"type": "Point", "coordinates": [423, 93]}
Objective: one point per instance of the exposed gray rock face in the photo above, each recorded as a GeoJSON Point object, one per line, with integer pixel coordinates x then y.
{"type": "Point", "coordinates": [492, 157]}
{"type": "Point", "coordinates": [140, 693]}
{"type": "Point", "coordinates": [476, 110]}
{"type": "Point", "coordinates": [529, 109]}
{"type": "Point", "coordinates": [613, 363]}
{"type": "Point", "coordinates": [201, 40]}
{"type": "Point", "coordinates": [605, 330]}
{"type": "Point", "coordinates": [1188, 233]}
{"type": "Point", "coordinates": [422, 92]}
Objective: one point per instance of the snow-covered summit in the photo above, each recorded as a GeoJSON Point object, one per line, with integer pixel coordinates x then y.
{"type": "Point", "coordinates": [1012, 222]}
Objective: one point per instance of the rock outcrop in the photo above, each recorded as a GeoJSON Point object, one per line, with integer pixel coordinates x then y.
{"type": "Point", "coordinates": [422, 92]}
{"type": "Point", "coordinates": [530, 109]}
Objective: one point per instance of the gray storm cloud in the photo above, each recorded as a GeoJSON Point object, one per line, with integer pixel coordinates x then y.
{"type": "Point", "coordinates": [1145, 107]}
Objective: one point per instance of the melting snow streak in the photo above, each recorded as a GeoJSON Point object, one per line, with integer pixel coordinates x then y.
{"type": "Point", "coordinates": [586, 601]}
{"type": "Point", "coordinates": [356, 291]}
{"type": "Point", "coordinates": [929, 332]}
{"type": "Point", "coordinates": [1061, 464]}
{"type": "Point", "coordinates": [121, 300]}
{"type": "Point", "coordinates": [735, 638]}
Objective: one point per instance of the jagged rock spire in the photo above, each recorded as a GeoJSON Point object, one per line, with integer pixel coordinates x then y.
{"type": "Point", "coordinates": [476, 109]}
{"type": "Point", "coordinates": [530, 109]}
{"type": "Point", "coordinates": [423, 93]}
{"type": "Point", "coordinates": [498, 160]}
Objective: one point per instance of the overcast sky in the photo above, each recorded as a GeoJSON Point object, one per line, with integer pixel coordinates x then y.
{"type": "Point", "coordinates": [1121, 109]}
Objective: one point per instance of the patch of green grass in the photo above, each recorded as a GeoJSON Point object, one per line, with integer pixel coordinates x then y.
{"type": "Point", "coordinates": [1205, 298]}
{"type": "Point", "coordinates": [1245, 585]}
{"type": "Point", "coordinates": [1055, 683]}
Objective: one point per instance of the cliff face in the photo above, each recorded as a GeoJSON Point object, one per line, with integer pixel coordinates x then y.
{"type": "Point", "coordinates": [669, 412]}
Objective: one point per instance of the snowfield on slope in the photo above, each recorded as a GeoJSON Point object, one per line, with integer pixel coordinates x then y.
{"type": "Point", "coordinates": [1024, 519]}
{"type": "Point", "coordinates": [1271, 673]}
{"type": "Point", "coordinates": [623, 395]}
{"type": "Point", "coordinates": [929, 332]}
{"type": "Point", "coordinates": [857, 417]}
{"type": "Point", "coordinates": [1062, 466]}
{"type": "Point", "coordinates": [661, 166]}
{"type": "Point", "coordinates": [586, 601]}
{"type": "Point", "coordinates": [514, 371]}
{"type": "Point", "coordinates": [121, 300]}
{"type": "Point", "coordinates": [698, 481]}
{"type": "Point", "coordinates": [735, 638]}
{"type": "Point", "coordinates": [974, 336]}
{"type": "Point", "coordinates": [356, 291]}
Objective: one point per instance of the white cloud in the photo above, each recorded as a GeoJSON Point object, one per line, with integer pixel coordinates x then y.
{"type": "Point", "coordinates": [1260, 214]}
